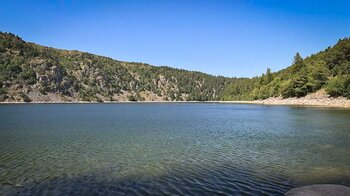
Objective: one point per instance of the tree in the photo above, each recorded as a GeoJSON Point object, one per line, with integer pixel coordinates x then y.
{"type": "Point", "coordinates": [269, 76]}
{"type": "Point", "coordinates": [339, 86]}
{"type": "Point", "coordinates": [318, 76]}
{"type": "Point", "coordinates": [297, 62]}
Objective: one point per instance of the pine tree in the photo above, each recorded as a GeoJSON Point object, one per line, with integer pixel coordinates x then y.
{"type": "Point", "coordinates": [298, 62]}
{"type": "Point", "coordinates": [268, 76]}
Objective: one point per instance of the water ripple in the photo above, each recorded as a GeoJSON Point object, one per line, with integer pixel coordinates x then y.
{"type": "Point", "coordinates": [190, 149]}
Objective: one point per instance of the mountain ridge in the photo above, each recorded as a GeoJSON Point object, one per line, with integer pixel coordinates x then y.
{"type": "Point", "coordinates": [31, 72]}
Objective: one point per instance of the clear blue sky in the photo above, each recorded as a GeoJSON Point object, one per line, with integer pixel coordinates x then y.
{"type": "Point", "coordinates": [230, 38]}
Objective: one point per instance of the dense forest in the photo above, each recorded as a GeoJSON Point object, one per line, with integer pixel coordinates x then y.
{"type": "Point", "coordinates": [329, 69]}
{"type": "Point", "coordinates": [30, 72]}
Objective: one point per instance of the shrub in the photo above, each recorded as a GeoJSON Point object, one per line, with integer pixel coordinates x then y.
{"type": "Point", "coordinates": [132, 98]}
{"type": "Point", "coordinates": [339, 86]}
{"type": "Point", "coordinates": [25, 97]}
{"type": "Point", "coordinates": [2, 49]}
{"type": "Point", "coordinates": [29, 76]}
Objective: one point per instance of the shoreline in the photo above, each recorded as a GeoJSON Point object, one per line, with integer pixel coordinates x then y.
{"type": "Point", "coordinates": [317, 99]}
{"type": "Point", "coordinates": [327, 103]}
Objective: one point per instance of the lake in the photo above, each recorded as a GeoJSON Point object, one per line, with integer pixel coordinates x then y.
{"type": "Point", "coordinates": [170, 148]}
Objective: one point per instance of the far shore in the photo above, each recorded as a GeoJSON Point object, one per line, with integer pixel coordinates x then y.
{"type": "Point", "coordinates": [304, 101]}
{"type": "Point", "coordinates": [317, 99]}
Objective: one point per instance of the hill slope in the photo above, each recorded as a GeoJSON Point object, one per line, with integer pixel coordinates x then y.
{"type": "Point", "coordinates": [329, 70]}
{"type": "Point", "coordinates": [30, 72]}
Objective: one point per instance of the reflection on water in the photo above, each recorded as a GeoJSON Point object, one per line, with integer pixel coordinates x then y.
{"type": "Point", "coordinates": [170, 148]}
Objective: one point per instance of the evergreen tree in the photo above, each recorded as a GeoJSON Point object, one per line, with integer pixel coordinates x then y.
{"type": "Point", "coordinates": [269, 76]}
{"type": "Point", "coordinates": [298, 62]}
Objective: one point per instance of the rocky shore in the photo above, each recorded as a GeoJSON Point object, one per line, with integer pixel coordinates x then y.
{"type": "Point", "coordinates": [319, 99]}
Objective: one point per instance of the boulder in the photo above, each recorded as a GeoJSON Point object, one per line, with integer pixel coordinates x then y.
{"type": "Point", "coordinates": [320, 190]}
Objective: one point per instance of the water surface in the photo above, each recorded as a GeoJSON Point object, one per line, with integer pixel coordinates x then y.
{"type": "Point", "coordinates": [166, 149]}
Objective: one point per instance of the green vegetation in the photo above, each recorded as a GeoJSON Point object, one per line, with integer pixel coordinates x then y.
{"type": "Point", "coordinates": [87, 77]}
{"type": "Point", "coordinates": [328, 69]}
{"type": "Point", "coordinates": [339, 86]}
{"type": "Point", "coordinates": [80, 76]}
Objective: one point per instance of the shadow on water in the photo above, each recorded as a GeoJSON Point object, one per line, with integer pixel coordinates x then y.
{"type": "Point", "coordinates": [223, 180]}
{"type": "Point", "coordinates": [255, 156]}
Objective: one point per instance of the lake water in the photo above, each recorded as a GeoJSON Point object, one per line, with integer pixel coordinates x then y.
{"type": "Point", "coordinates": [167, 149]}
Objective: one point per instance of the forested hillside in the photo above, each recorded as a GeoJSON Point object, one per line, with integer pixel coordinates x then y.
{"type": "Point", "coordinates": [30, 72]}
{"type": "Point", "coordinates": [329, 69]}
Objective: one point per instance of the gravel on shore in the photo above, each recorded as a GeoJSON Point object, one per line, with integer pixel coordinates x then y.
{"type": "Point", "coordinates": [319, 99]}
